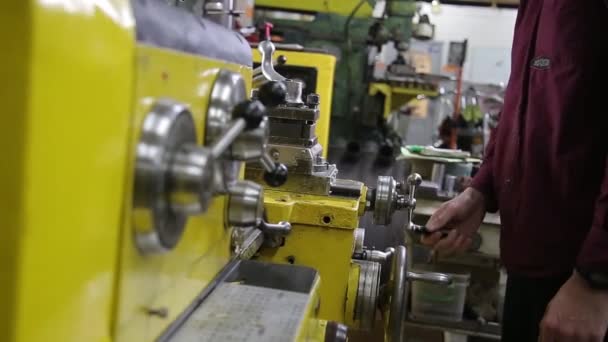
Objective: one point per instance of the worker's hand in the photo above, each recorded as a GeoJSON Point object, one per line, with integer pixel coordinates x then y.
{"type": "Point", "coordinates": [463, 215]}
{"type": "Point", "coordinates": [576, 313]}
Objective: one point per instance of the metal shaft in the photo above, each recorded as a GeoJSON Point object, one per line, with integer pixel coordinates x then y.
{"type": "Point", "coordinates": [281, 228]}
{"type": "Point", "coordinates": [228, 137]}
{"type": "Point", "coordinates": [267, 162]}
{"type": "Point", "coordinates": [433, 278]}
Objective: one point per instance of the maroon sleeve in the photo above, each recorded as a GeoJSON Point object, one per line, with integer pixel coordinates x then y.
{"type": "Point", "coordinates": [484, 179]}
{"type": "Point", "coordinates": [594, 254]}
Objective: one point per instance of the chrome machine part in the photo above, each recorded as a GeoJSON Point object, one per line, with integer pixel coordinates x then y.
{"type": "Point", "coordinates": [267, 49]}
{"type": "Point", "coordinates": [228, 90]}
{"type": "Point", "coordinates": [430, 277]}
{"type": "Point", "coordinates": [359, 240]}
{"type": "Point", "coordinates": [399, 289]}
{"type": "Point", "coordinates": [380, 256]}
{"type": "Point", "coordinates": [398, 295]}
{"type": "Point", "coordinates": [251, 145]}
{"type": "Point", "coordinates": [282, 228]}
{"type": "Point", "coordinates": [191, 175]}
{"type": "Point", "coordinates": [389, 196]}
{"type": "Point", "coordinates": [245, 204]}
{"type": "Point", "coordinates": [274, 233]}
{"type": "Point", "coordinates": [173, 177]}
{"type": "Point", "coordinates": [384, 202]}
{"type": "Point", "coordinates": [367, 293]}
{"type": "Point", "coordinates": [246, 241]}
{"type": "Point", "coordinates": [292, 125]}
{"type": "Point", "coordinates": [413, 182]}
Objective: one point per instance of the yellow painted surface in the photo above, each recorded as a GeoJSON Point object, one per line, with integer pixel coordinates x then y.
{"type": "Point", "coordinates": [68, 71]}
{"type": "Point", "coordinates": [317, 330]}
{"type": "Point", "coordinates": [173, 279]}
{"type": "Point", "coordinates": [325, 65]}
{"type": "Point", "coordinates": [396, 97]}
{"type": "Point", "coordinates": [363, 200]}
{"type": "Point", "coordinates": [314, 242]}
{"type": "Point", "coordinates": [351, 295]}
{"type": "Point", "coordinates": [313, 330]}
{"type": "Point", "coordinates": [344, 7]}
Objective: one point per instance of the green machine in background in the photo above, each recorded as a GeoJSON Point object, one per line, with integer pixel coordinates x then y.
{"type": "Point", "coordinates": [352, 30]}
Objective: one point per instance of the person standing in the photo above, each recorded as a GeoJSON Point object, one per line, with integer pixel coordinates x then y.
{"type": "Point", "coordinates": [545, 171]}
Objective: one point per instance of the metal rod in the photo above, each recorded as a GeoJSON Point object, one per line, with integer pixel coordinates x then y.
{"type": "Point", "coordinates": [228, 137]}
{"type": "Point", "coordinates": [433, 278]}
{"type": "Point", "coordinates": [281, 228]}
{"type": "Point", "coordinates": [267, 162]}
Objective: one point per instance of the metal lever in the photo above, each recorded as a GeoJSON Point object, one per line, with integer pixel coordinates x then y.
{"type": "Point", "coordinates": [276, 173]}
{"type": "Point", "coordinates": [423, 230]}
{"type": "Point", "coordinates": [413, 181]}
{"type": "Point", "coordinates": [430, 277]}
{"type": "Point", "coordinates": [282, 228]}
{"type": "Point", "coordinates": [249, 115]}
{"type": "Point", "coordinates": [228, 137]}
{"type": "Point", "coordinates": [267, 49]}
{"type": "Point", "coordinates": [274, 233]}
{"type": "Point", "coordinates": [258, 76]}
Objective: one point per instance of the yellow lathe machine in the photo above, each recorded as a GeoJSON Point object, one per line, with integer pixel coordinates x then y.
{"type": "Point", "coordinates": [127, 137]}
{"type": "Point", "coordinates": [324, 214]}
{"type": "Point", "coordinates": [126, 216]}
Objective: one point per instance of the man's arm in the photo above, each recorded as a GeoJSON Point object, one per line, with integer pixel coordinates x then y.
{"type": "Point", "coordinates": [594, 254]}
{"type": "Point", "coordinates": [484, 179]}
{"type": "Point", "coordinates": [579, 311]}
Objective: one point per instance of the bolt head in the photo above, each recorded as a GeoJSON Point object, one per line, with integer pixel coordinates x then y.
{"type": "Point", "coordinates": [313, 100]}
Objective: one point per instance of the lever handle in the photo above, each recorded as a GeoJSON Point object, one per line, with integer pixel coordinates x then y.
{"type": "Point", "coordinates": [248, 115]}
{"type": "Point", "coordinates": [413, 181]}
{"type": "Point", "coordinates": [281, 60]}
{"type": "Point", "coordinates": [228, 137]}
{"type": "Point", "coordinates": [267, 49]}
{"type": "Point", "coordinates": [430, 277]}
{"type": "Point", "coordinates": [276, 173]}
{"type": "Point", "coordinates": [423, 230]}
{"type": "Point", "coordinates": [282, 228]}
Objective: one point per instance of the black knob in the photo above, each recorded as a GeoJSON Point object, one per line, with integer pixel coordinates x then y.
{"type": "Point", "coordinates": [272, 93]}
{"type": "Point", "coordinates": [252, 111]}
{"type": "Point", "coordinates": [276, 177]}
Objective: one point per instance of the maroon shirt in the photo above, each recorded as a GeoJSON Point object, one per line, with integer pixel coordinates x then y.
{"type": "Point", "coordinates": [545, 168]}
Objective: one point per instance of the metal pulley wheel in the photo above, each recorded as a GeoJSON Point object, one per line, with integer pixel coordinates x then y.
{"type": "Point", "coordinates": [228, 91]}
{"type": "Point", "coordinates": [245, 204]}
{"type": "Point", "coordinates": [367, 293]}
{"type": "Point", "coordinates": [385, 200]}
{"type": "Point", "coordinates": [173, 177]}
{"type": "Point", "coordinates": [359, 240]}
